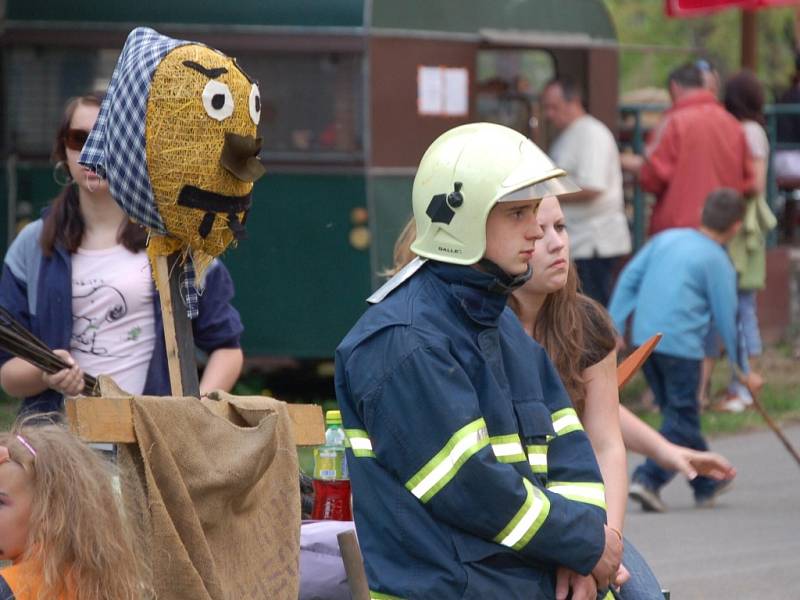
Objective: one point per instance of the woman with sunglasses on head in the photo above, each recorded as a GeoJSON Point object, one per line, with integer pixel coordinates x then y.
{"type": "Point", "coordinates": [79, 279]}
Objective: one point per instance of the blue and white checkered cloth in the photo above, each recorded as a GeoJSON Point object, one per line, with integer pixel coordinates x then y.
{"type": "Point", "coordinates": [115, 149]}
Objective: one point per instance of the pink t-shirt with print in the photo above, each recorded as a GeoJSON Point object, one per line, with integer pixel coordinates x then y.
{"type": "Point", "coordinates": [113, 325]}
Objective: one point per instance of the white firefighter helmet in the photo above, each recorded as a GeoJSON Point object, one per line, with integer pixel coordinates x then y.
{"type": "Point", "coordinates": [463, 174]}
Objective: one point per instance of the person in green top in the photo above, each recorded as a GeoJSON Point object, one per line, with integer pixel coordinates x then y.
{"type": "Point", "coordinates": [744, 99]}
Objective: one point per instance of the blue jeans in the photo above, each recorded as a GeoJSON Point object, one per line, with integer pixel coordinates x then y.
{"type": "Point", "coordinates": [596, 275]}
{"type": "Point", "coordinates": [674, 382]}
{"type": "Point", "coordinates": [643, 584]}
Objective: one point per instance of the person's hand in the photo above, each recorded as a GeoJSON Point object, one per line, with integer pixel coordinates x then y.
{"type": "Point", "coordinates": [583, 587]}
{"type": "Point", "coordinates": [66, 381]}
{"type": "Point", "coordinates": [605, 571]}
{"type": "Point", "coordinates": [623, 575]}
{"type": "Point", "coordinates": [631, 162]}
{"type": "Point", "coordinates": [708, 464]}
{"type": "Point", "coordinates": [754, 382]}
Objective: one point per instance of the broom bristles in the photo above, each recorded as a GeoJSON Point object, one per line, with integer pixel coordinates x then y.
{"type": "Point", "coordinates": [19, 342]}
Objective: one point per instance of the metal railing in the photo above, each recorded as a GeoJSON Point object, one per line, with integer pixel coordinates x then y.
{"type": "Point", "coordinates": [635, 141]}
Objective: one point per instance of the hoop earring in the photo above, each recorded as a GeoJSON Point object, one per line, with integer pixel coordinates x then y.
{"type": "Point", "coordinates": [61, 174]}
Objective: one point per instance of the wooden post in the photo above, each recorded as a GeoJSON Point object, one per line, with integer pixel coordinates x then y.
{"type": "Point", "coordinates": [177, 328]}
{"type": "Point", "coordinates": [749, 40]}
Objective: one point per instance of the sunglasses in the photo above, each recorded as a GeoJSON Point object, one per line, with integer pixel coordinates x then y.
{"type": "Point", "coordinates": [74, 139]}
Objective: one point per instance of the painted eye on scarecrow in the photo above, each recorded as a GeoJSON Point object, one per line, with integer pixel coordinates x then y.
{"type": "Point", "coordinates": [255, 104]}
{"type": "Point", "coordinates": [217, 100]}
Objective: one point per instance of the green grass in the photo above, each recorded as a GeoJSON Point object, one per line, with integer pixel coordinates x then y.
{"type": "Point", "coordinates": [8, 411]}
{"type": "Point", "coordinates": [780, 396]}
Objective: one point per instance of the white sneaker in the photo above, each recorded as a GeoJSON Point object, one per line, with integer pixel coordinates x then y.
{"type": "Point", "coordinates": [740, 390]}
{"type": "Point", "coordinates": [647, 497]}
{"type": "Point", "coordinates": [736, 404]}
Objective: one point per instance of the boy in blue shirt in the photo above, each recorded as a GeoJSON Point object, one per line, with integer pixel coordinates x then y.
{"type": "Point", "coordinates": [678, 284]}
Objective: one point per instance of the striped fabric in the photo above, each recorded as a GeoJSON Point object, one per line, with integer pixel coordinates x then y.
{"type": "Point", "coordinates": [527, 521]}
{"type": "Point", "coordinates": [439, 470]}
{"type": "Point", "coordinates": [566, 421]}
{"type": "Point", "coordinates": [588, 492]}
{"type": "Point", "coordinates": [382, 596]}
{"type": "Point", "coordinates": [359, 442]}
{"type": "Point", "coordinates": [537, 457]}
{"type": "Point", "coordinates": [507, 448]}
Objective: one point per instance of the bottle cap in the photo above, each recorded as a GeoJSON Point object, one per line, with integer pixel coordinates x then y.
{"type": "Point", "coordinates": [333, 417]}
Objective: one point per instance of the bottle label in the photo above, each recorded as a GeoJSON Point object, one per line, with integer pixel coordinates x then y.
{"type": "Point", "coordinates": [329, 464]}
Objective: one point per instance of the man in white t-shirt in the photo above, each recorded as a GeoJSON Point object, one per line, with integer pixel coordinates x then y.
{"type": "Point", "coordinates": [595, 216]}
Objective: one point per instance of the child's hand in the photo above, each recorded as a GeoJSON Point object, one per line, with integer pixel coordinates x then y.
{"type": "Point", "coordinates": [66, 381]}
{"type": "Point", "coordinates": [754, 382]}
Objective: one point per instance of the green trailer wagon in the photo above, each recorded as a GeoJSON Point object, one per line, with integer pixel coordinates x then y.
{"type": "Point", "coordinates": [353, 91]}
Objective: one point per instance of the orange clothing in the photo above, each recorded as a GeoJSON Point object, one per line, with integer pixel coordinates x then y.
{"type": "Point", "coordinates": [699, 147]}
{"type": "Point", "coordinates": [23, 581]}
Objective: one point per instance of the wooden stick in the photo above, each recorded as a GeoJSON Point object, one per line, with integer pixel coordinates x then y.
{"type": "Point", "coordinates": [630, 365]}
{"type": "Point", "coordinates": [177, 329]}
{"type": "Point", "coordinates": [353, 565]}
{"type": "Point", "coordinates": [767, 419]}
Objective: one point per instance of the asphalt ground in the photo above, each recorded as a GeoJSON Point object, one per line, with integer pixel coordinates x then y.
{"type": "Point", "coordinates": [745, 547]}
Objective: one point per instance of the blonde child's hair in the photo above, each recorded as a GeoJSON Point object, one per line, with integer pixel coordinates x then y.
{"type": "Point", "coordinates": [79, 531]}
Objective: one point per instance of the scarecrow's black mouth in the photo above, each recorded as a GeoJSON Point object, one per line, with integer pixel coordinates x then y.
{"type": "Point", "coordinates": [213, 203]}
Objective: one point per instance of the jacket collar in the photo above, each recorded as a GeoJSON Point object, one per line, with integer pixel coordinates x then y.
{"type": "Point", "coordinates": [483, 295]}
{"type": "Point", "coordinates": [696, 98]}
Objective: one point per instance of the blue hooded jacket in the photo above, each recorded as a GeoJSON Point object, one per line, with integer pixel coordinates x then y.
{"type": "Point", "coordinates": [472, 476]}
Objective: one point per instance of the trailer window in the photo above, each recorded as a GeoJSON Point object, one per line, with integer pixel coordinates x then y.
{"type": "Point", "coordinates": [37, 83]}
{"type": "Point", "coordinates": [311, 104]}
{"type": "Point", "coordinates": [508, 86]}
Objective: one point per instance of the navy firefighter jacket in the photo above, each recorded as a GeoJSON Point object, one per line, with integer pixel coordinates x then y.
{"type": "Point", "coordinates": [472, 476]}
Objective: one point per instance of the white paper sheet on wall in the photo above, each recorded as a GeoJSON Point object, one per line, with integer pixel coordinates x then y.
{"type": "Point", "coordinates": [443, 91]}
{"type": "Point", "coordinates": [456, 92]}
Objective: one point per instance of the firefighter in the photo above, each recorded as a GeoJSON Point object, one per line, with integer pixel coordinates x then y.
{"type": "Point", "coordinates": [472, 476]}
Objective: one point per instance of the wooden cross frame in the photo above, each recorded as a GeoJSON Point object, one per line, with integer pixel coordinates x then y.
{"type": "Point", "coordinates": [111, 419]}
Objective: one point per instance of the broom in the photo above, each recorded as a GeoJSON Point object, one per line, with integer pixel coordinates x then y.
{"type": "Point", "coordinates": [20, 342]}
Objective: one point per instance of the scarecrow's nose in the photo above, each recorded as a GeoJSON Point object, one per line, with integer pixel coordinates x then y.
{"type": "Point", "coordinates": [240, 156]}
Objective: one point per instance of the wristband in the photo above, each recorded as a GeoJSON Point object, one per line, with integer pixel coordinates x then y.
{"type": "Point", "coordinates": [617, 531]}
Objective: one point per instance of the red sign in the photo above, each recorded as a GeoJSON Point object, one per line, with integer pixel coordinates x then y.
{"type": "Point", "coordinates": [694, 8]}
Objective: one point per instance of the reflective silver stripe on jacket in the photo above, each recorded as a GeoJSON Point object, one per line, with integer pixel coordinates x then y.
{"type": "Point", "coordinates": [359, 442]}
{"type": "Point", "coordinates": [566, 421]}
{"type": "Point", "coordinates": [439, 470]}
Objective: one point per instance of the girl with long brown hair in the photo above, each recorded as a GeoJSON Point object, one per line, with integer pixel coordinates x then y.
{"type": "Point", "coordinates": [578, 336]}
{"type": "Point", "coordinates": [62, 524]}
{"type": "Point", "coordinates": [80, 280]}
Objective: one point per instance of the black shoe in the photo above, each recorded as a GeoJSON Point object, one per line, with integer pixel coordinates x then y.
{"type": "Point", "coordinates": [646, 496]}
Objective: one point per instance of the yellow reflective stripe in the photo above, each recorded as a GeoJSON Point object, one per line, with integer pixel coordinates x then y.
{"type": "Point", "coordinates": [507, 448]}
{"type": "Point", "coordinates": [537, 458]}
{"type": "Point", "coordinates": [609, 596]}
{"type": "Point", "coordinates": [439, 470]}
{"type": "Point", "coordinates": [359, 442]}
{"type": "Point", "coordinates": [527, 521]}
{"type": "Point", "coordinates": [590, 493]}
{"type": "Point", "coordinates": [382, 596]}
{"type": "Point", "coordinates": [565, 421]}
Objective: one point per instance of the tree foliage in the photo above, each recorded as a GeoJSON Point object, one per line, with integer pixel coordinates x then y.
{"type": "Point", "coordinates": [653, 44]}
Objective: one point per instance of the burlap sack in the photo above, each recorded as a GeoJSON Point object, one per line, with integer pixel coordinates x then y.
{"type": "Point", "coordinates": [216, 482]}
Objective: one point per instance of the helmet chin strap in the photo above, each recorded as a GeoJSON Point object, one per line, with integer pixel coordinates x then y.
{"type": "Point", "coordinates": [503, 283]}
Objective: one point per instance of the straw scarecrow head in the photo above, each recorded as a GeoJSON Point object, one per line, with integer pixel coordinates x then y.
{"type": "Point", "coordinates": [176, 139]}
